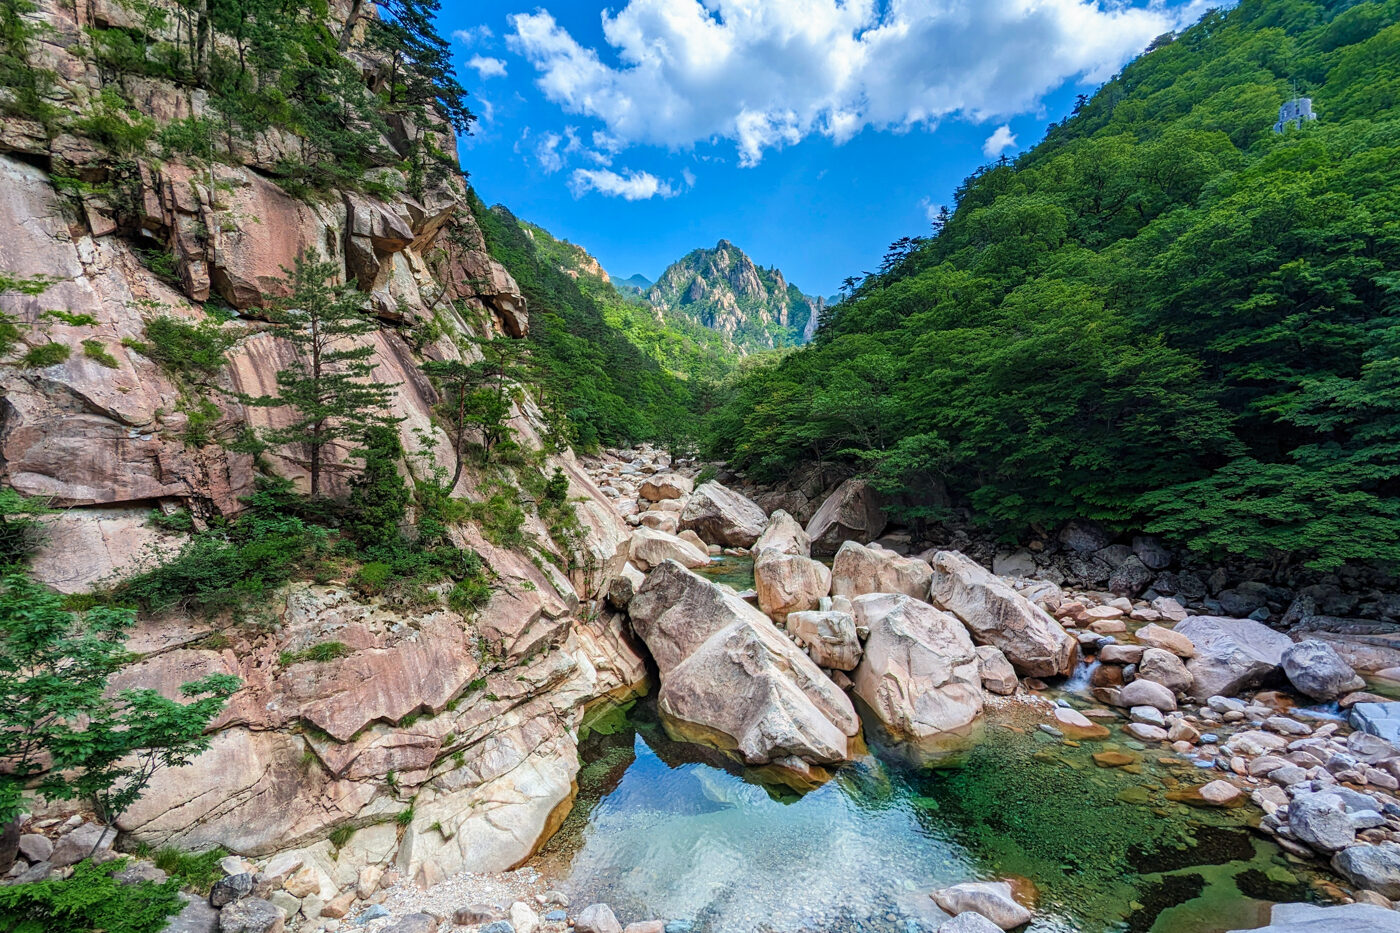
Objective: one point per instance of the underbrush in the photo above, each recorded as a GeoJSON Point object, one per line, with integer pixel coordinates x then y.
{"type": "Point", "coordinates": [90, 901]}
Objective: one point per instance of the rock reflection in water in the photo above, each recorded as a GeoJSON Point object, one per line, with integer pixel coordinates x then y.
{"type": "Point", "coordinates": [678, 832]}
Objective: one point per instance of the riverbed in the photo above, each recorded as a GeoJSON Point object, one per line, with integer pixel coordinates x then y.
{"type": "Point", "coordinates": [668, 830]}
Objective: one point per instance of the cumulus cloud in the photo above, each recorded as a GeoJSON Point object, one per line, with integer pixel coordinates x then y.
{"type": "Point", "coordinates": [1000, 141]}
{"type": "Point", "coordinates": [630, 186]}
{"type": "Point", "coordinates": [487, 67]}
{"type": "Point", "coordinates": [474, 35]}
{"type": "Point", "coordinates": [768, 73]}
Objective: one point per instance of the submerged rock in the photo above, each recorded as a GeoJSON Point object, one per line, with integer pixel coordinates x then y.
{"type": "Point", "coordinates": [1034, 643]}
{"type": "Point", "coordinates": [920, 672]}
{"type": "Point", "coordinates": [1343, 918]}
{"type": "Point", "coordinates": [729, 675]}
{"type": "Point", "coordinates": [991, 899]}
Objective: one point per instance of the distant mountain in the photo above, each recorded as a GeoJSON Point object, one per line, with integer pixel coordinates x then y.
{"type": "Point", "coordinates": [636, 284]}
{"type": "Point", "coordinates": [756, 308]}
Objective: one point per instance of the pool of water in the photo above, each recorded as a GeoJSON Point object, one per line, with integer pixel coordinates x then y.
{"type": "Point", "coordinates": [674, 831]}
{"type": "Point", "coordinates": [734, 571]}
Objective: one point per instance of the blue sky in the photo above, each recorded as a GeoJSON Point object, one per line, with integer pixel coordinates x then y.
{"type": "Point", "coordinates": [811, 133]}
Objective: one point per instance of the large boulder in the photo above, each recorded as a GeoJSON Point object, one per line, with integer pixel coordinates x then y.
{"type": "Point", "coordinates": [829, 637]}
{"type": "Point", "coordinates": [851, 513]}
{"type": "Point", "coordinates": [789, 583]}
{"type": "Point", "coordinates": [663, 486]}
{"type": "Point", "coordinates": [859, 570]}
{"type": "Point", "coordinates": [727, 675]}
{"type": "Point", "coordinates": [1379, 719]}
{"type": "Point", "coordinates": [721, 516]}
{"type": "Point", "coordinates": [1316, 670]}
{"type": "Point", "coordinates": [1231, 654]}
{"type": "Point", "coordinates": [998, 676]}
{"type": "Point", "coordinates": [650, 547]}
{"type": "Point", "coordinates": [1373, 867]}
{"type": "Point", "coordinates": [784, 535]}
{"type": "Point", "coordinates": [1342, 918]}
{"type": "Point", "coordinates": [1161, 666]}
{"type": "Point", "coordinates": [920, 672]}
{"type": "Point", "coordinates": [1034, 643]}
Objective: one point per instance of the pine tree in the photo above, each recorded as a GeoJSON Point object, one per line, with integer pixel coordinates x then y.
{"type": "Point", "coordinates": [477, 397]}
{"type": "Point", "coordinates": [329, 386]}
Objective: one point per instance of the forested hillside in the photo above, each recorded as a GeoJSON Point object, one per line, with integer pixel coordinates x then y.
{"type": "Point", "coordinates": [1163, 316]}
{"type": "Point", "coordinates": [599, 386]}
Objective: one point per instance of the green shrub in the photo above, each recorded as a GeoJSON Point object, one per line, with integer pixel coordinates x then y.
{"type": "Point", "coordinates": [372, 576]}
{"type": "Point", "coordinates": [94, 350]}
{"type": "Point", "coordinates": [325, 651]}
{"type": "Point", "coordinates": [192, 350]}
{"type": "Point", "coordinates": [116, 125]}
{"type": "Point", "coordinates": [71, 319]}
{"type": "Point", "coordinates": [196, 870]}
{"type": "Point", "coordinates": [341, 835]}
{"type": "Point", "coordinates": [91, 901]}
{"type": "Point", "coordinates": [379, 496]}
{"type": "Point", "coordinates": [21, 531]}
{"type": "Point", "coordinates": [179, 520]}
{"type": "Point", "coordinates": [231, 564]}
{"type": "Point", "coordinates": [49, 354]}
{"type": "Point", "coordinates": [501, 518]}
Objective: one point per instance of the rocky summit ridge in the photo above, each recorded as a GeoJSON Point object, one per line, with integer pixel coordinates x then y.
{"type": "Point", "coordinates": [725, 290]}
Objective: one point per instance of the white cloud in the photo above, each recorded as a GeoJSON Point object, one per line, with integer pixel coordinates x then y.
{"type": "Point", "coordinates": [487, 67]}
{"type": "Point", "coordinates": [768, 73]}
{"type": "Point", "coordinates": [548, 154]}
{"type": "Point", "coordinates": [632, 186]}
{"type": "Point", "coordinates": [999, 142]}
{"type": "Point", "coordinates": [474, 35]}
{"type": "Point", "coordinates": [688, 177]}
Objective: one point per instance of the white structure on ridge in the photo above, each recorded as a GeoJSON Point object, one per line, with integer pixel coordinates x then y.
{"type": "Point", "coordinates": [1294, 113]}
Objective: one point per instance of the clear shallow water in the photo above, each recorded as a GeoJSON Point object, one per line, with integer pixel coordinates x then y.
{"type": "Point", "coordinates": [674, 831]}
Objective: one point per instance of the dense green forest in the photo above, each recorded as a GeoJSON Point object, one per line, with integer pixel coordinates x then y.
{"type": "Point", "coordinates": [596, 384]}
{"type": "Point", "coordinates": [1164, 316]}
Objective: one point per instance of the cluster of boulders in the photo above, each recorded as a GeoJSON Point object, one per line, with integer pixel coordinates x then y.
{"type": "Point", "coordinates": [925, 641]}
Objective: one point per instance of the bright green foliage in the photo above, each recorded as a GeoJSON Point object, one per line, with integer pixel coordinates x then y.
{"type": "Point", "coordinates": [329, 386]}
{"type": "Point", "coordinates": [195, 870]}
{"type": "Point", "coordinates": [1163, 316]}
{"type": "Point", "coordinates": [116, 125]}
{"type": "Point", "coordinates": [94, 350]}
{"type": "Point", "coordinates": [26, 86]}
{"type": "Point", "coordinates": [91, 901]}
{"type": "Point", "coordinates": [56, 713]}
{"type": "Point", "coordinates": [379, 497]}
{"type": "Point", "coordinates": [597, 387]}
{"type": "Point", "coordinates": [325, 651]}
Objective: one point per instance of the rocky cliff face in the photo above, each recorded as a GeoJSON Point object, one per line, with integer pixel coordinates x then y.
{"type": "Point", "coordinates": [466, 725]}
{"type": "Point", "coordinates": [723, 289]}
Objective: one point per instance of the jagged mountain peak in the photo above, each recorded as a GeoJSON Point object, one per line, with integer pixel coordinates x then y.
{"type": "Point", "coordinates": [722, 288]}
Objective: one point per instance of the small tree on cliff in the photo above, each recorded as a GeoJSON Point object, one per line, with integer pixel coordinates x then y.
{"type": "Point", "coordinates": [477, 397]}
{"type": "Point", "coordinates": [62, 733]}
{"type": "Point", "coordinates": [329, 386]}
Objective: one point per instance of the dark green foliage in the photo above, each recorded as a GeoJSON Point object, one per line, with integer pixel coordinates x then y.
{"type": "Point", "coordinates": [71, 319]}
{"type": "Point", "coordinates": [477, 399]}
{"type": "Point", "coordinates": [379, 497]}
{"type": "Point", "coordinates": [597, 387]}
{"type": "Point", "coordinates": [329, 387]}
{"type": "Point", "coordinates": [21, 530]}
{"type": "Point", "coordinates": [46, 354]}
{"type": "Point", "coordinates": [556, 491]}
{"type": "Point", "coordinates": [233, 563]}
{"type": "Point", "coordinates": [180, 521]}
{"type": "Point", "coordinates": [26, 86]}
{"type": "Point", "coordinates": [1163, 316]}
{"type": "Point", "coordinates": [91, 901]}
{"type": "Point", "coordinates": [116, 124]}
